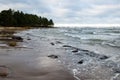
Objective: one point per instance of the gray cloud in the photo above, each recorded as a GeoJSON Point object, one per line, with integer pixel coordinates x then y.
{"type": "Point", "coordinates": [69, 11]}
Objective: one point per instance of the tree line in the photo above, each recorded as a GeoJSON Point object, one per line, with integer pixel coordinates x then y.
{"type": "Point", "coordinates": [20, 19]}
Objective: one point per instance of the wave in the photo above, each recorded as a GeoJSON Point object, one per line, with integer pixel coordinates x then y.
{"type": "Point", "coordinates": [112, 44]}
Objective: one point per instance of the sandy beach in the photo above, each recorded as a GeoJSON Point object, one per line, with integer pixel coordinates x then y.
{"type": "Point", "coordinates": [27, 64]}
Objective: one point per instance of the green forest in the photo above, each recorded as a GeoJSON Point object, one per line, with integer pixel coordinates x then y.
{"type": "Point", "coordinates": [14, 18]}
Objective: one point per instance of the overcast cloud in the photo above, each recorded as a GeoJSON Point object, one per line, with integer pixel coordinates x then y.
{"type": "Point", "coordinates": [69, 11]}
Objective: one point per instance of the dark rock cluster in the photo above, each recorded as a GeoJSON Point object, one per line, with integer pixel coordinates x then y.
{"type": "Point", "coordinates": [53, 56]}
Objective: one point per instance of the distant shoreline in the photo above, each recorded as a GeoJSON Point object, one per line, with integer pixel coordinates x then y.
{"type": "Point", "coordinates": [21, 28]}
{"type": "Point", "coordinates": [18, 18]}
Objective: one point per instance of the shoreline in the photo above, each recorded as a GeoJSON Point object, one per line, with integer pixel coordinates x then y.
{"type": "Point", "coordinates": [33, 64]}
{"type": "Point", "coordinates": [48, 54]}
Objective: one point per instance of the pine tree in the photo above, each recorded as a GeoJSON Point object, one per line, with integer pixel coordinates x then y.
{"type": "Point", "coordinates": [51, 22]}
{"type": "Point", "coordinates": [18, 19]}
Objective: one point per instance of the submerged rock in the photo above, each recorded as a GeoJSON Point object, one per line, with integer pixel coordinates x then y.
{"type": "Point", "coordinates": [28, 38]}
{"type": "Point", "coordinates": [76, 50]}
{"type": "Point", "coordinates": [116, 70]}
{"type": "Point", "coordinates": [52, 43]}
{"type": "Point", "coordinates": [18, 38]}
{"type": "Point", "coordinates": [58, 42]}
{"type": "Point", "coordinates": [104, 57]}
{"type": "Point", "coordinates": [4, 71]}
{"type": "Point", "coordinates": [98, 56]}
{"type": "Point", "coordinates": [67, 46]}
{"type": "Point", "coordinates": [53, 56]}
{"type": "Point", "coordinates": [91, 54]}
{"type": "Point", "coordinates": [80, 62]}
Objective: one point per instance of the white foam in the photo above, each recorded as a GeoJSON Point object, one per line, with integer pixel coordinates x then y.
{"type": "Point", "coordinates": [74, 73]}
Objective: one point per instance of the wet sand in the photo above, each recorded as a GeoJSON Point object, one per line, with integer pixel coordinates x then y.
{"type": "Point", "coordinates": [33, 63]}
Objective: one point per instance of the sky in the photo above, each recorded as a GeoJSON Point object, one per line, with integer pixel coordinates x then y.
{"type": "Point", "coordinates": [69, 11]}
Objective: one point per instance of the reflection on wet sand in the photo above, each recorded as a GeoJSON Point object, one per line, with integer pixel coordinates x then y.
{"type": "Point", "coordinates": [31, 63]}
{"type": "Point", "coordinates": [26, 67]}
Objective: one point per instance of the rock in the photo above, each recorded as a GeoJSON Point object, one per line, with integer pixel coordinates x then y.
{"type": "Point", "coordinates": [85, 50]}
{"type": "Point", "coordinates": [66, 46]}
{"type": "Point", "coordinates": [92, 54]}
{"type": "Point", "coordinates": [80, 62]}
{"type": "Point", "coordinates": [58, 42]}
{"type": "Point", "coordinates": [76, 50]}
{"type": "Point", "coordinates": [52, 43]}
{"type": "Point", "coordinates": [12, 43]}
{"type": "Point", "coordinates": [53, 56]}
{"type": "Point", "coordinates": [4, 71]}
{"type": "Point", "coordinates": [116, 70]}
{"type": "Point", "coordinates": [28, 39]}
{"type": "Point", "coordinates": [104, 57]}
{"type": "Point", "coordinates": [18, 38]}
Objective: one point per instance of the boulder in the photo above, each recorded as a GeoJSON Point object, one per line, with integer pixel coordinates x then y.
{"type": "Point", "coordinates": [80, 62]}
{"type": "Point", "coordinates": [104, 57]}
{"type": "Point", "coordinates": [4, 71]}
{"type": "Point", "coordinates": [53, 56]}
{"type": "Point", "coordinates": [52, 43]}
{"type": "Point", "coordinates": [17, 38]}
{"type": "Point", "coordinates": [67, 46]}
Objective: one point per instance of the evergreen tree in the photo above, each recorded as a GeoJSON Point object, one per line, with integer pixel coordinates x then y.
{"type": "Point", "coordinates": [51, 22]}
{"type": "Point", "coordinates": [18, 19]}
{"type": "Point", "coordinates": [6, 18]}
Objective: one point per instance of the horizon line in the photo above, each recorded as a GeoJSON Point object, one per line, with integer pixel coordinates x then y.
{"type": "Point", "coordinates": [87, 25]}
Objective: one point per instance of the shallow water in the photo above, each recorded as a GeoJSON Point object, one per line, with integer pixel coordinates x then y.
{"type": "Point", "coordinates": [89, 53]}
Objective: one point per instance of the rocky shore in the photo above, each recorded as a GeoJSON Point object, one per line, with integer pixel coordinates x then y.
{"type": "Point", "coordinates": [43, 56]}
{"type": "Point", "coordinates": [26, 63]}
